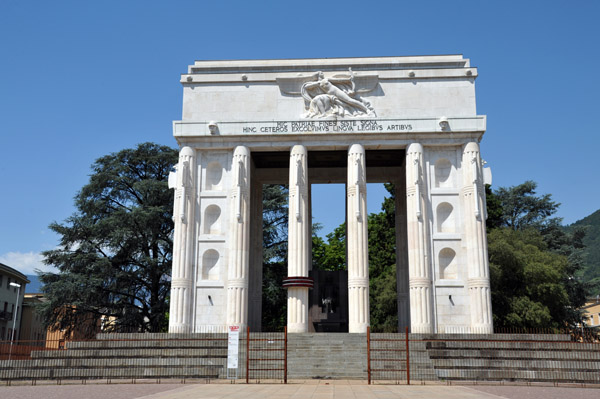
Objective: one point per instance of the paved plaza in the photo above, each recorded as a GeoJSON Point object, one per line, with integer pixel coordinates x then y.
{"type": "Point", "coordinates": [313, 389]}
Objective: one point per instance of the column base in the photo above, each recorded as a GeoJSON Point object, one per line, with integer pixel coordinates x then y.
{"type": "Point", "coordinates": [297, 327]}
{"type": "Point", "coordinates": [180, 329]}
{"type": "Point", "coordinates": [421, 328]}
{"type": "Point", "coordinates": [482, 329]}
{"type": "Point", "coordinates": [358, 328]}
{"type": "Point", "coordinates": [297, 316]}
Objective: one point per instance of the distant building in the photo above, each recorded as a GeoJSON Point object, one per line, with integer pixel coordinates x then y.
{"type": "Point", "coordinates": [591, 309]}
{"type": "Point", "coordinates": [10, 304]}
{"type": "Point", "coordinates": [32, 324]}
{"type": "Point", "coordinates": [89, 325]}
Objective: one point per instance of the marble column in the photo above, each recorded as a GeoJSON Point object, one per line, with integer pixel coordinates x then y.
{"type": "Point", "coordinates": [182, 276]}
{"type": "Point", "coordinates": [478, 282]}
{"type": "Point", "coordinates": [239, 230]}
{"type": "Point", "coordinates": [299, 225]}
{"type": "Point", "coordinates": [357, 241]}
{"type": "Point", "coordinates": [419, 261]}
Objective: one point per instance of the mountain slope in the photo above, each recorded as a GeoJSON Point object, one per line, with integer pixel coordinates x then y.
{"type": "Point", "coordinates": [591, 224]}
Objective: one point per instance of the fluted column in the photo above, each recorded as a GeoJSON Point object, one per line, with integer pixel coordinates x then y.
{"type": "Point", "coordinates": [239, 230]}
{"type": "Point", "coordinates": [357, 242]}
{"type": "Point", "coordinates": [419, 266]}
{"type": "Point", "coordinates": [182, 276]}
{"type": "Point", "coordinates": [476, 241]}
{"type": "Point", "coordinates": [299, 224]}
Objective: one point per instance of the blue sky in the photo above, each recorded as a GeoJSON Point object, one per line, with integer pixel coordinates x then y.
{"type": "Point", "coordinates": [82, 79]}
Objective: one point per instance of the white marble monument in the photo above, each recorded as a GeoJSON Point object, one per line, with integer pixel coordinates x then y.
{"type": "Point", "coordinates": [411, 121]}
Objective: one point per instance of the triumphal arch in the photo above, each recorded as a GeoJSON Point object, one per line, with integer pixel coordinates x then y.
{"type": "Point", "coordinates": [411, 121]}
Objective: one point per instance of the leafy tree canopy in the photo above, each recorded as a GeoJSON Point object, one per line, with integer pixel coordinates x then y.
{"type": "Point", "coordinates": [591, 251]}
{"type": "Point", "coordinates": [331, 255]}
{"type": "Point", "coordinates": [522, 208]}
{"type": "Point", "coordinates": [527, 280]}
{"type": "Point", "coordinates": [534, 263]}
{"type": "Point", "coordinates": [275, 222]}
{"type": "Point", "coordinates": [114, 257]}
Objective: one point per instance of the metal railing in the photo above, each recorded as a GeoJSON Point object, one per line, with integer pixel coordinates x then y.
{"type": "Point", "coordinates": [577, 334]}
{"type": "Point", "coordinates": [266, 356]}
{"type": "Point", "coordinates": [391, 357]}
{"type": "Point", "coordinates": [158, 357]}
{"type": "Point", "coordinates": [388, 356]}
{"type": "Point", "coordinates": [21, 350]}
{"type": "Point", "coordinates": [520, 356]}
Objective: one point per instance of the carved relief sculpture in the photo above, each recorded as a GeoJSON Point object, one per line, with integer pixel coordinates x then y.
{"type": "Point", "coordinates": [335, 96]}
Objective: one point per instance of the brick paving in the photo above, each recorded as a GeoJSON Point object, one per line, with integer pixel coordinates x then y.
{"type": "Point", "coordinates": [310, 389]}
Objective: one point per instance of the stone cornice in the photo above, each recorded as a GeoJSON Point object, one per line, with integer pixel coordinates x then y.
{"type": "Point", "coordinates": [371, 132]}
{"type": "Point", "coordinates": [254, 71]}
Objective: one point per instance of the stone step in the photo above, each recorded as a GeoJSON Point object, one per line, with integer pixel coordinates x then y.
{"type": "Point", "coordinates": [526, 346]}
{"type": "Point", "coordinates": [512, 364]}
{"type": "Point", "coordinates": [509, 355]}
{"type": "Point", "coordinates": [102, 373]}
{"type": "Point", "coordinates": [162, 336]}
{"type": "Point", "coordinates": [113, 362]}
{"type": "Point", "coordinates": [481, 337]}
{"type": "Point", "coordinates": [133, 353]}
{"type": "Point", "coordinates": [200, 343]}
{"type": "Point", "coordinates": [520, 375]}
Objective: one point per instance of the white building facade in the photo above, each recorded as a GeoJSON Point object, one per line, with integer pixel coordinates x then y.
{"type": "Point", "coordinates": [410, 121]}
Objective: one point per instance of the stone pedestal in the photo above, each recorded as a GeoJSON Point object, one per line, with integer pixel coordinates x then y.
{"type": "Point", "coordinates": [357, 241]}
{"type": "Point", "coordinates": [182, 279]}
{"type": "Point", "coordinates": [239, 255]}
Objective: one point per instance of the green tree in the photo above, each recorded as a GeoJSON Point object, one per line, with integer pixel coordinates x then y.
{"type": "Point", "coordinates": [522, 208]}
{"type": "Point", "coordinates": [331, 255]}
{"type": "Point", "coordinates": [591, 251]}
{"type": "Point", "coordinates": [383, 297]}
{"type": "Point", "coordinates": [527, 280]}
{"type": "Point", "coordinates": [115, 251]}
{"type": "Point", "coordinates": [523, 236]}
{"type": "Point", "coordinates": [275, 221]}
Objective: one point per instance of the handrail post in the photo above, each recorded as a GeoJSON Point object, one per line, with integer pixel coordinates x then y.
{"type": "Point", "coordinates": [369, 354]}
{"type": "Point", "coordinates": [407, 359]}
{"type": "Point", "coordinates": [247, 354]}
{"type": "Point", "coordinates": [285, 337]}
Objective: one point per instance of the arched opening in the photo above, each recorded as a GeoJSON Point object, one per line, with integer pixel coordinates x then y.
{"type": "Point", "coordinates": [210, 271]}
{"type": "Point", "coordinates": [445, 218]}
{"type": "Point", "coordinates": [448, 269]}
{"type": "Point", "coordinates": [212, 222]}
{"type": "Point", "coordinates": [214, 175]}
{"type": "Point", "coordinates": [443, 172]}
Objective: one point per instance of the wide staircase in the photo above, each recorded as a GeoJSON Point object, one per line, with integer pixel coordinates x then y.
{"type": "Point", "coordinates": [440, 357]}
{"type": "Point", "coordinates": [126, 356]}
{"type": "Point", "coordinates": [512, 358]}
{"type": "Point", "coordinates": [327, 355]}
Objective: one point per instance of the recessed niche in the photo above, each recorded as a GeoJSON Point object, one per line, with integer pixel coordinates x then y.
{"type": "Point", "coordinates": [445, 218]}
{"type": "Point", "coordinates": [212, 220]}
{"type": "Point", "coordinates": [443, 173]}
{"type": "Point", "coordinates": [210, 270]}
{"type": "Point", "coordinates": [214, 175]}
{"type": "Point", "coordinates": [447, 262]}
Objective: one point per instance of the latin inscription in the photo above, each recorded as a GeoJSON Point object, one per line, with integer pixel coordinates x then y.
{"type": "Point", "coordinates": [359, 126]}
